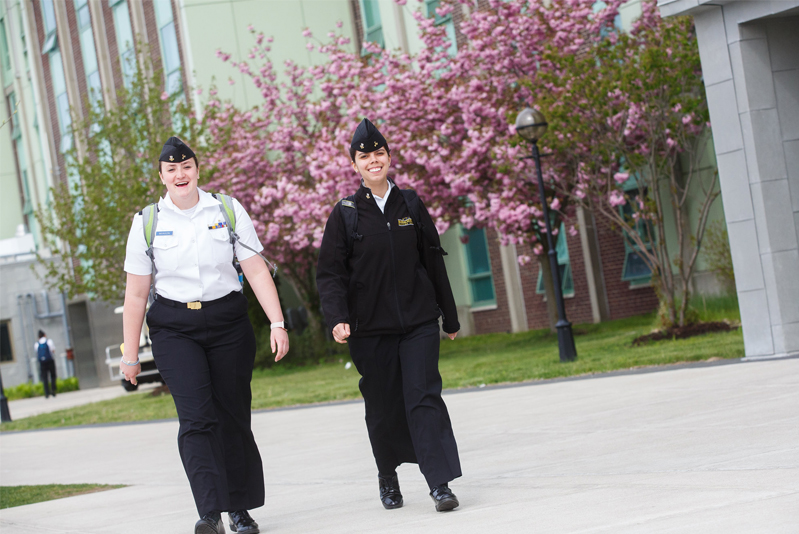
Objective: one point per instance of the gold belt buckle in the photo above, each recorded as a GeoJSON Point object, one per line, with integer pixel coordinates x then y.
{"type": "Point", "coordinates": [196, 305]}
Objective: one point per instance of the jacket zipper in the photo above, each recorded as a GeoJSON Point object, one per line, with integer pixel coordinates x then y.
{"type": "Point", "coordinates": [394, 275]}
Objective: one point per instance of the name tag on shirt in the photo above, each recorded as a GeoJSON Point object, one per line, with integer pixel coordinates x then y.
{"type": "Point", "coordinates": [164, 232]}
{"type": "Point", "coordinates": [222, 224]}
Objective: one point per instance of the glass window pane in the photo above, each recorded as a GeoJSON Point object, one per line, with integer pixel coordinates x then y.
{"type": "Point", "coordinates": [376, 36]}
{"type": "Point", "coordinates": [49, 15]}
{"type": "Point", "coordinates": [635, 267]}
{"type": "Point", "coordinates": [62, 103]}
{"type": "Point", "coordinates": [5, 54]}
{"type": "Point", "coordinates": [95, 87]}
{"type": "Point", "coordinates": [174, 83]}
{"type": "Point", "coordinates": [87, 49]}
{"type": "Point", "coordinates": [57, 72]}
{"type": "Point", "coordinates": [371, 13]}
{"type": "Point", "coordinates": [5, 343]}
{"type": "Point", "coordinates": [477, 251]}
{"type": "Point", "coordinates": [483, 290]}
{"type": "Point", "coordinates": [84, 19]}
{"type": "Point", "coordinates": [163, 11]}
{"type": "Point", "coordinates": [169, 42]}
{"type": "Point", "coordinates": [122, 27]}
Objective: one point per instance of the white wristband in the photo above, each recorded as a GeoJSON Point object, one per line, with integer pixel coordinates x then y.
{"type": "Point", "coordinates": [277, 325]}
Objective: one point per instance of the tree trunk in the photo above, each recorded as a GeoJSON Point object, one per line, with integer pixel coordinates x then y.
{"type": "Point", "coordinates": [549, 290]}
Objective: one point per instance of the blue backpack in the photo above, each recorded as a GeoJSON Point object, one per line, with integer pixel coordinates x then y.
{"type": "Point", "coordinates": [43, 352]}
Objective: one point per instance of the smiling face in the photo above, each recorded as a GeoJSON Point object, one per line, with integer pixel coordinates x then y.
{"type": "Point", "coordinates": [372, 166]}
{"type": "Point", "coordinates": [180, 180]}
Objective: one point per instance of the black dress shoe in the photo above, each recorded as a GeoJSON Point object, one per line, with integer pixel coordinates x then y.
{"type": "Point", "coordinates": [444, 498]}
{"type": "Point", "coordinates": [241, 522]}
{"type": "Point", "coordinates": [210, 523]}
{"type": "Point", "coordinates": [390, 494]}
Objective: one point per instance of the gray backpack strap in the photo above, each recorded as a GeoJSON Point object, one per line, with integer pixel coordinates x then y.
{"type": "Point", "coordinates": [149, 223]}
{"type": "Point", "coordinates": [229, 214]}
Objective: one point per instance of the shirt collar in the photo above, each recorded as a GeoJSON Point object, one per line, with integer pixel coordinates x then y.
{"type": "Point", "coordinates": [206, 200]}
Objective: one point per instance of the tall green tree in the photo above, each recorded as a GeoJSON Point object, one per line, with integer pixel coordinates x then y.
{"type": "Point", "coordinates": [112, 172]}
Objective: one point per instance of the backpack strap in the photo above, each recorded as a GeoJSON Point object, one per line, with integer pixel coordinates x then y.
{"type": "Point", "coordinates": [229, 214]}
{"type": "Point", "coordinates": [349, 213]}
{"type": "Point", "coordinates": [412, 201]}
{"type": "Point", "coordinates": [149, 223]}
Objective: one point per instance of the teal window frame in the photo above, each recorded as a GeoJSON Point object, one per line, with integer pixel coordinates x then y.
{"type": "Point", "coordinates": [479, 271]}
{"type": "Point", "coordinates": [430, 9]}
{"type": "Point", "coordinates": [372, 29]}
{"type": "Point", "coordinates": [633, 263]}
{"type": "Point", "coordinates": [5, 50]}
{"type": "Point", "coordinates": [564, 267]}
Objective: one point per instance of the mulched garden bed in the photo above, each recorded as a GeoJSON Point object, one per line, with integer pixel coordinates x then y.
{"type": "Point", "coordinates": [677, 332]}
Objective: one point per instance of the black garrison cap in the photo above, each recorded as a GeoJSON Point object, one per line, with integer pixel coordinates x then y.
{"type": "Point", "coordinates": [367, 138]}
{"type": "Point", "coordinates": [175, 151]}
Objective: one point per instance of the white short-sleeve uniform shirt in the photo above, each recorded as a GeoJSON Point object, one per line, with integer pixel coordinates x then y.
{"type": "Point", "coordinates": [193, 254]}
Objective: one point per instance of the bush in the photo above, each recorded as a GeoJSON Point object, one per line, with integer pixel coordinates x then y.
{"type": "Point", "coordinates": [304, 349]}
{"type": "Point", "coordinates": [28, 389]}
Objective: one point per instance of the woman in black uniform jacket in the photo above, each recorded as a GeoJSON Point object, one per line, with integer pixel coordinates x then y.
{"type": "Point", "coordinates": [384, 298]}
{"type": "Point", "coordinates": [203, 342]}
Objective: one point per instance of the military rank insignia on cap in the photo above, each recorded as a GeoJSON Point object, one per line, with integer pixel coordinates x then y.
{"type": "Point", "coordinates": [367, 138]}
{"type": "Point", "coordinates": [175, 150]}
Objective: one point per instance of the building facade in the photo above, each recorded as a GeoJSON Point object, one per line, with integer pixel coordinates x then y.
{"type": "Point", "coordinates": [58, 56]}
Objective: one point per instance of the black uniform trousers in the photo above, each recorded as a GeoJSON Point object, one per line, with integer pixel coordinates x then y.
{"type": "Point", "coordinates": [406, 417]}
{"type": "Point", "coordinates": [47, 374]}
{"type": "Point", "coordinates": [206, 358]}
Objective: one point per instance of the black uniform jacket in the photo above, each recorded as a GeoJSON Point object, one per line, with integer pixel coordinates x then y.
{"type": "Point", "coordinates": [384, 287]}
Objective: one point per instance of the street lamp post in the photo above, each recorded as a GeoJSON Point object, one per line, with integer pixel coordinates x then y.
{"type": "Point", "coordinates": [531, 125]}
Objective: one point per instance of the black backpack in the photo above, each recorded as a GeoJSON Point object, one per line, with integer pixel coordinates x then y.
{"type": "Point", "coordinates": [349, 212]}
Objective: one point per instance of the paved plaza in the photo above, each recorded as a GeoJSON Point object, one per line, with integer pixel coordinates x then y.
{"type": "Point", "coordinates": [708, 450]}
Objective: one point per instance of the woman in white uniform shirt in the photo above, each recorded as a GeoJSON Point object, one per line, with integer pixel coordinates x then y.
{"type": "Point", "coordinates": [203, 351]}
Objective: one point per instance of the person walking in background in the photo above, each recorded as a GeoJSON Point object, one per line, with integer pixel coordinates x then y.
{"type": "Point", "coordinates": [203, 342]}
{"type": "Point", "coordinates": [45, 352]}
{"type": "Point", "coordinates": [383, 286]}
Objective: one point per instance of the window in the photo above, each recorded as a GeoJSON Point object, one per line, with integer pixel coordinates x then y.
{"type": "Point", "coordinates": [635, 271]}
{"type": "Point", "coordinates": [88, 51]}
{"type": "Point", "coordinates": [5, 51]}
{"type": "Point", "coordinates": [481, 280]}
{"type": "Point", "coordinates": [124, 31]}
{"type": "Point", "coordinates": [61, 99]}
{"type": "Point", "coordinates": [372, 25]}
{"type": "Point", "coordinates": [170, 53]}
{"type": "Point", "coordinates": [564, 267]}
{"type": "Point", "coordinates": [50, 39]}
{"type": "Point", "coordinates": [446, 20]}
{"type": "Point", "coordinates": [6, 349]}
{"type": "Point", "coordinates": [22, 163]}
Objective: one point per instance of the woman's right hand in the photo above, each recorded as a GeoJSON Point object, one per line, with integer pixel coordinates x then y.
{"type": "Point", "coordinates": [130, 371]}
{"type": "Point", "coordinates": [341, 332]}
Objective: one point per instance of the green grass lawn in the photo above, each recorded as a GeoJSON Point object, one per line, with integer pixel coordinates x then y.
{"type": "Point", "coordinates": [11, 496]}
{"type": "Point", "coordinates": [472, 361]}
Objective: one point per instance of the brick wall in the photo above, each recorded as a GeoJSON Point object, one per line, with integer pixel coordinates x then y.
{"type": "Point", "coordinates": [77, 54]}
{"type": "Point", "coordinates": [356, 10]}
{"type": "Point", "coordinates": [184, 65]}
{"type": "Point", "coordinates": [151, 27]}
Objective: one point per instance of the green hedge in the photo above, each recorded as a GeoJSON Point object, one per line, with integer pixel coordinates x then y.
{"type": "Point", "coordinates": [28, 389]}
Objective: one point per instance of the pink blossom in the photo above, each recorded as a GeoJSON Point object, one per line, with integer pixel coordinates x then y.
{"type": "Point", "coordinates": [621, 177]}
{"type": "Point", "coordinates": [164, 95]}
{"type": "Point", "coordinates": [306, 33]}
{"type": "Point", "coordinates": [616, 198]}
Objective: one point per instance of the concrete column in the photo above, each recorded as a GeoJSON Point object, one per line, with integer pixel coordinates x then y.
{"type": "Point", "coordinates": [600, 310]}
{"type": "Point", "coordinates": [103, 55]}
{"type": "Point", "coordinates": [751, 69]}
{"type": "Point", "coordinates": [513, 287]}
{"type": "Point", "coordinates": [70, 72]}
{"type": "Point", "coordinates": [402, 32]}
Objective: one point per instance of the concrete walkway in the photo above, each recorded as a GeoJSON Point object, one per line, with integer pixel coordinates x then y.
{"type": "Point", "coordinates": [705, 450]}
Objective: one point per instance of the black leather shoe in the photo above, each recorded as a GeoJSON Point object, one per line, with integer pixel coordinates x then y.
{"type": "Point", "coordinates": [210, 523]}
{"type": "Point", "coordinates": [390, 494]}
{"type": "Point", "coordinates": [241, 522]}
{"type": "Point", "coordinates": [444, 498]}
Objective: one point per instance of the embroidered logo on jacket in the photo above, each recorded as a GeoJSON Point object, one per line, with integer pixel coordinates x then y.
{"type": "Point", "coordinates": [222, 224]}
{"type": "Point", "coordinates": [407, 221]}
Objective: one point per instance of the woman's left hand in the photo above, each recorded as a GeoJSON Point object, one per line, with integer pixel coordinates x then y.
{"type": "Point", "coordinates": [280, 343]}
{"type": "Point", "coordinates": [452, 336]}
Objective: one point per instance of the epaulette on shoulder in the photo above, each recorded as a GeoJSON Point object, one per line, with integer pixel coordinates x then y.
{"type": "Point", "coordinates": [348, 203]}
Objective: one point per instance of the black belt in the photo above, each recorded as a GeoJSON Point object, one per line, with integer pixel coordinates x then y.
{"type": "Point", "coordinates": [196, 305]}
